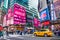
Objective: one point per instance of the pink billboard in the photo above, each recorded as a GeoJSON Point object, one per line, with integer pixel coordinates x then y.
{"type": "Point", "coordinates": [4, 21]}
{"type": "Point", "coordinates": [16, 16]}
{"type": "Point", "coordinates": [8, 22]}
{"type": "Point", "coordinates": [23, 17]}
{"type": "Point", "coordinates": [35, 22]}
{"type": "Point", "coordinates": [19, 14]}
{"type": "Point", "coordinates": [39, 24]}
{"type": "Point", "coordinates": [10, 14]}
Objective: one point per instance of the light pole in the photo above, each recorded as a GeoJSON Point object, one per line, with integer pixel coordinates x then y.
{"type": "Point", "coordinates": [33, 22]}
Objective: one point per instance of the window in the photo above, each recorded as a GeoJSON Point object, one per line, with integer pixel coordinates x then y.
{"type": "Point", "coordinates": [42, 30]}
{"type": "Point", "coordinates": [22, 2]}
{"type": "Point", "coordinates": [40, 5]}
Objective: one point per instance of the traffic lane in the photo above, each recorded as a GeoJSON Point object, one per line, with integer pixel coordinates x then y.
{"type": "Point", "coordinates": [36, 38]}
{"type": "Point", "coordinates": [13, 38]}
{"type": "Point", "coordinates": [2, 39]}
{"type": "Point", "coordinates": [31, 38]}
{"type": "Point", "coordinates": [16, 38]}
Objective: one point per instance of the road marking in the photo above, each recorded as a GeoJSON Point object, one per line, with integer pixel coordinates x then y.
{"type": "Point", "coordinates": [33, 36]}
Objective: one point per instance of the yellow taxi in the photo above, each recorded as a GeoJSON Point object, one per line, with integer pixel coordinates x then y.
{"type": "Point", "coordinates": [43, 32]}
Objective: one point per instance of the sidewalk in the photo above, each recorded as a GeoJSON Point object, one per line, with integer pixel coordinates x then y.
{"type": "Point", "coordinates": [17, 35]}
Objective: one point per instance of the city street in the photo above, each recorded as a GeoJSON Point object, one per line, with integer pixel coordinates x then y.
{"type": "Point", "coordinates": [28, 19]}
{"type": "Point", "coordinates": [30, 38]}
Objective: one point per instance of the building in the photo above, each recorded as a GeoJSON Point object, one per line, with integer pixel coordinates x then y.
{"type": "Point", "coordinates": [30, 13]}
{"type": "Point", "coordinates": [57, 12]}
{"type": "Point", "coordinates": [46, 12]}
{"type": "Point", "coordinates": [56, 7]}
{"type": "Point", "coordinates": [33, 10]}
{"type": "Point", "coordinates": [2, 13]}
{"type": "Point", "coordinates": [43, 12]}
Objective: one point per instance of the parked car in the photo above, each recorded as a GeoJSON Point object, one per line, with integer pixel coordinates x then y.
{"type": "Point", "coordinates": [43, 32]}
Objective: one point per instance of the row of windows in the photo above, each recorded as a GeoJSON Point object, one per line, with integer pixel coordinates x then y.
{"type": "Point", "coordinates": [23, 2]}
{"type": "Point", "coordinates": [41, 4]}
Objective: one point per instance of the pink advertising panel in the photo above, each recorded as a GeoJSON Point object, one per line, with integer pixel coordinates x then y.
{"type": "Point", "coordinates": [8, 22]}
{"type": "Point", "coordinates": [19, 14]}
{"type": "Point", "coordinates": [4, 21]}
{"type": "Point", "coordinates": [16, 22]}
{"type": "Point", "coordinates": [39, 24]}
{"type": "Point", "coordinates": [9, 13]}
{"type": "Point", "coordinates": [11, 20]}
{"type": "Point", "coordinates": [23, 17]}
{"type": "Point", "coordinates": [35, 22]}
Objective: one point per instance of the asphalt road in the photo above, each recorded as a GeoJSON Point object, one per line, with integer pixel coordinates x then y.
{"type": "Point", "coordinates": [32, 38]}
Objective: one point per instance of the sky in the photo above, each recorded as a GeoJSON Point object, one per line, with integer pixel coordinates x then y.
{"type": "Point", "coordinates": [33, 3]}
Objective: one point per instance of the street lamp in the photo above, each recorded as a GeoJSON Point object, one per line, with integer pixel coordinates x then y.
{"type": "Point", "coordinates": [33, 22]}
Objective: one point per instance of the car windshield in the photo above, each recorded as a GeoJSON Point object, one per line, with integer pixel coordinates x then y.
{"type": "Point", "coordinates": [42, 30]}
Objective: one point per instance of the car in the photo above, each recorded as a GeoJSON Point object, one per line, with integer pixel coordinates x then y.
{"type": "Point", "coordinates": [43, 32]}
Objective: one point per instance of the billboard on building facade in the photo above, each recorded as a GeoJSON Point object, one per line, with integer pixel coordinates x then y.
{"type": "Point", "coordinates": [19, 14]}
{"type": "Point", "coordinates": [4, 21]}
{"type": "Point", "coordinates": [16, 16]}
{"type": "Point", "coordinates": [35, 22]}
{"type": "Point", "coordinates": [10, 14]}
{"type": "Point", "coordinates": [44, 15]}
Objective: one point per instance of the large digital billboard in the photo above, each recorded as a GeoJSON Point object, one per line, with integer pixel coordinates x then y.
{"type": "Point", "coordinates": [16, 16]}
{"type": "Point", "coordinates": [44, 15]}
{"type": "Point", "coordinates": [19, 14]}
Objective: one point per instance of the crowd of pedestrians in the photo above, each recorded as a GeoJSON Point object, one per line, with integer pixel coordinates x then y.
{"type": "Point", "coordinates": [5, 31]}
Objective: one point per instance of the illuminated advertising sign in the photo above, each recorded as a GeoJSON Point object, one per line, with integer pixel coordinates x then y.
{"type": "Point", "coordinates": [19, 14]}
{"type": "Point", "coordinates": [9, 15]}
{"type": "Point", "coordinates": [8, 22]}
{"type": "Point", "coordinates": [44, 15]}
{"type": "Point", "coordinates": [4, 21]}
{"type": "Point", "coordinates": [46, 23]}
{"type": "Point", "coordinates": [35, 22]}
{"type": "Point", "coordinates": [39, 24]}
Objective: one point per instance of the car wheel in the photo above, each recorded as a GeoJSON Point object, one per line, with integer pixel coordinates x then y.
{"type": "Point", "coordinates": [45, 35]}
